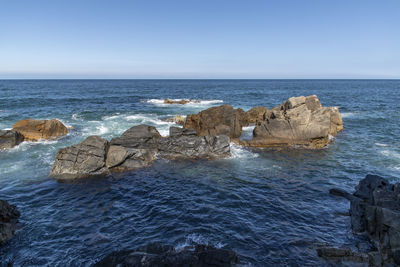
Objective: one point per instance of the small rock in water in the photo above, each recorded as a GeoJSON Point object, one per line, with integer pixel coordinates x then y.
{"type": "Point", "coordinates": [10, 138]}
{"type": "Point", "coordinates": [35, 130]}
{"type": "Point", "coordinates": [155, 254]}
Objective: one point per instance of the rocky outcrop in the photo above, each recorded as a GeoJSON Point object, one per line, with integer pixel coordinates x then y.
{"type": "Point", "coordinates": [375, 212]}
{"type": "Point", "coordinates": [82, 160]}
{"type": "Point", "coordinates": [256, 114]}
{"type": "Point", "coordinates": [180, 120]}
{"type": "Point", "coordinates": [298, 121]}
{"type": "Point", "coordinates": [34, 130]}
{"type": "Point", "coordinates": [9, 139]}
{"type": "Point", "coordinates": [184, 143]}
{"type": "Point", "coordinates": [137, 147]}
{"type": "Point", "coordinates": [9, 215]}
{"type": "Point", "coordinates": [155, 254]}
{"type": "Point", "coordinates": [180, 102]}
{"type": "Point", "coordinates": [221, 120]}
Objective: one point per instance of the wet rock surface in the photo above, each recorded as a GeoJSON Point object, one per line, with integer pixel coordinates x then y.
{"type": "Point", "coordinates": [9, 215]}
{"type": "Point", "coordinates": [10, 138]}
{"type": "Point", "coordinates": [375, 212]}
{"type": "Point", "coordinates": [155, 254]}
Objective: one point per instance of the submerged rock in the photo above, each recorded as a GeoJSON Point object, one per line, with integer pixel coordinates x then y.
{"type": "Point", "coordinates": [135, 148]}
{"type": "Point", "coordinates": [155, 254]}
{"type": "Point", "coordinates": [9, 139]}
{"type": "Point", "coordinates": [9, 215]}
{"type": "Point", "coordinates": [375, 212]}
{"type": "Point", "coordinates": [298, 121]}
{"type": "Point", "coordinates": [221, 120]}
{"type": "Point", "coordinates": [34, 130]}
{"type": "Point", "coordinates": [180, 102]}
{"type": "Point", "coordinates": [82, 160]}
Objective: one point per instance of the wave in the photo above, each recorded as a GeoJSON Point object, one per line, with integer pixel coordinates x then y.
{"type": "Point", "coordinates": [380, 144]}
{"type": "Point", "coordinates": [239, 152]}
{"type": "Point", "coordinates": [197, 239]}
{"type": "Point", "coordinates": [347, 114]}
{"type": "Point", "coordinates": [192, 102]}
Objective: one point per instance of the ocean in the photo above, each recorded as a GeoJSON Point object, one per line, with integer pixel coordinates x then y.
{"type": "Point", "coordinates": [271, 206]}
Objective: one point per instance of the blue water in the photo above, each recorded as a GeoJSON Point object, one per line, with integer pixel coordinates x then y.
{"type": "Point", "coordinates": [271, 206]}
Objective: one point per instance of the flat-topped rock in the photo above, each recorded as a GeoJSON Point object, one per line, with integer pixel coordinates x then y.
{"type": "Point", "coordinates": [298, 121]}
{"type": "Point", "coordinates": [180, 101]}
{"type": "Point", "coordinates": [34, 130]}
{"type": "Point", "coordinates": [9, 215]}
{"type": "Point", "coordinates": [156, 254]}
{"type": "Point", "coordinates": [10, 138]}
{"type": "Point", "coordinates": [82, 160]}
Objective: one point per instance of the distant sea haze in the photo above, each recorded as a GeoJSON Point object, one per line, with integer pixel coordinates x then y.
{"type": "Point", "coordinates": [269, 205]}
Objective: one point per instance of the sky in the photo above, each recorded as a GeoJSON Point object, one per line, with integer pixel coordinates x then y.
{"type": "Point", "coordinates": [199, 39]}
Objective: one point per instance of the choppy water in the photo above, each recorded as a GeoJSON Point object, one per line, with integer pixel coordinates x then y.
{"type": "Point", "coordinates": [271, 206]}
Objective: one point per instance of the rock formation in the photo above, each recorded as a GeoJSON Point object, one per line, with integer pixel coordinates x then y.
{"type": "Point", "coordinates": [221, 120]}
{"type": "Point", "coordinates": [9, 215]}
{"type": "Point", "coordinates": [298, 121]}
{"type": "Point", "coordinates": [82, 160]}
{"type": "Point", "coordinates": [9, 139]}
{"type": "Point", "coordinates": [375, 212]}
{"type": "Point", "coordinates": [34, 130]}
{"type": "Point", "coordinates": [135, 148]}
{"type": "Point", "coordinates": [256, 114]}
{"type": "Point", "coordinates": [155, 254]}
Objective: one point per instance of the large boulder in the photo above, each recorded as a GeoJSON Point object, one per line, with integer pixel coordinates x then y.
{"type": "Point", "coordinates": [135, 148]}
{"type": "Point", "coordinates": [9, 139]}
{"type": "Point", "coordinates": [9, 215]}
{"type": "Point", "coordinates": [375, 212]}
{"type": "Point", "coordinates": [87, 158]}
{"type": "Point", "coordinates": [256, 114]}
{"type": "Point", "coordinates": [34, 130]}
{"type": "Point", "coordinates": [155, 254]}
{"type": "Point", "coordinates": [185, 144]}
{"type": "Point", "coordinates": [221, 120]}
{"type": "Point", "coordinates": [298, 121]}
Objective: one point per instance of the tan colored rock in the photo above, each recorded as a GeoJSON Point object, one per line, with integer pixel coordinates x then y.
{"type": "Point", "coordinates": [34, 130]}
{"type": "Point", "coordinates": [298, 121]}
{"type": "Point", "coordinates": [221, 120]}
{"type": "Point", "coordinates": [178, 119]}
{"type": "Point", "coordinates": [256, 114]}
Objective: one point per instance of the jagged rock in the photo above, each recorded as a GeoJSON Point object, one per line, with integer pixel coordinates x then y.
{"type": "Point", "coordinates": [342, 254]}
{"type": "Point", "coordinates": [184, 143]}
{"type": "Point", "coordinates": [135, 148]}
{"type": "Point", "coordinates": [156, 254]}
{"type": "Point", "coordinates": [180, 120]}
{"type": "Point", "coordinates": [9, 139]}
{"type": "Point", "coordinates": [9, 215]}
{"type": "Point", "coordinates": [375, 211]}
{"type": "Point", "coordinates": [221, 120]}
{"type": "Point", "coordinates": [34, 130]}
{"type": "Point", "coordinates": [256, 114]}
{"type": "Point", "coordinates": [298, 121]}
{"type": "Point", "coordinates": [82, 160]}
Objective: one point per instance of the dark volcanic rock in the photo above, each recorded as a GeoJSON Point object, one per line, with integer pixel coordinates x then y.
{"type": "Point", "coordinates": [185, 144]}
{"type": "Point", "coordinates": [81, 160]}
{"type": "Point", "coordinates": [155, 254]}
{"type": "Point", "coordinates": [10, 138]}
{"type": "Point", "coordinates": [298, 121]}
{"type": "Point", "coordinates": [8, 221]}
{"type": "Point", "coordinates": [221, 120]}
{"type": "Point", "coordinates": [375, 212]}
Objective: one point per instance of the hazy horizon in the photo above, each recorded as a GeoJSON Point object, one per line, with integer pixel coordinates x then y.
{"type": "Point", "coordinates": [200, 40]}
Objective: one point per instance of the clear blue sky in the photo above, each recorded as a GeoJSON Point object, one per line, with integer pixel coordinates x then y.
{"type": "Point", "coordinates": [200, 39]}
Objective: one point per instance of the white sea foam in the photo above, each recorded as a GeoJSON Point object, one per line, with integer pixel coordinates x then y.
{"type": "Point", "coordinates": [347, 114]}
{"type": "Point", "coordinates": [193, 239]}
{"type": "Point", "coordinates": [380, 144]}
{"type": "Point", "coordinates": [76, 117]}
{"type": "Point", "coordinates": [192, 102]}
{"type": "Point", "coordinates": [238, 152]}
{"type": "Point", "coordinates": [390, 154]}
